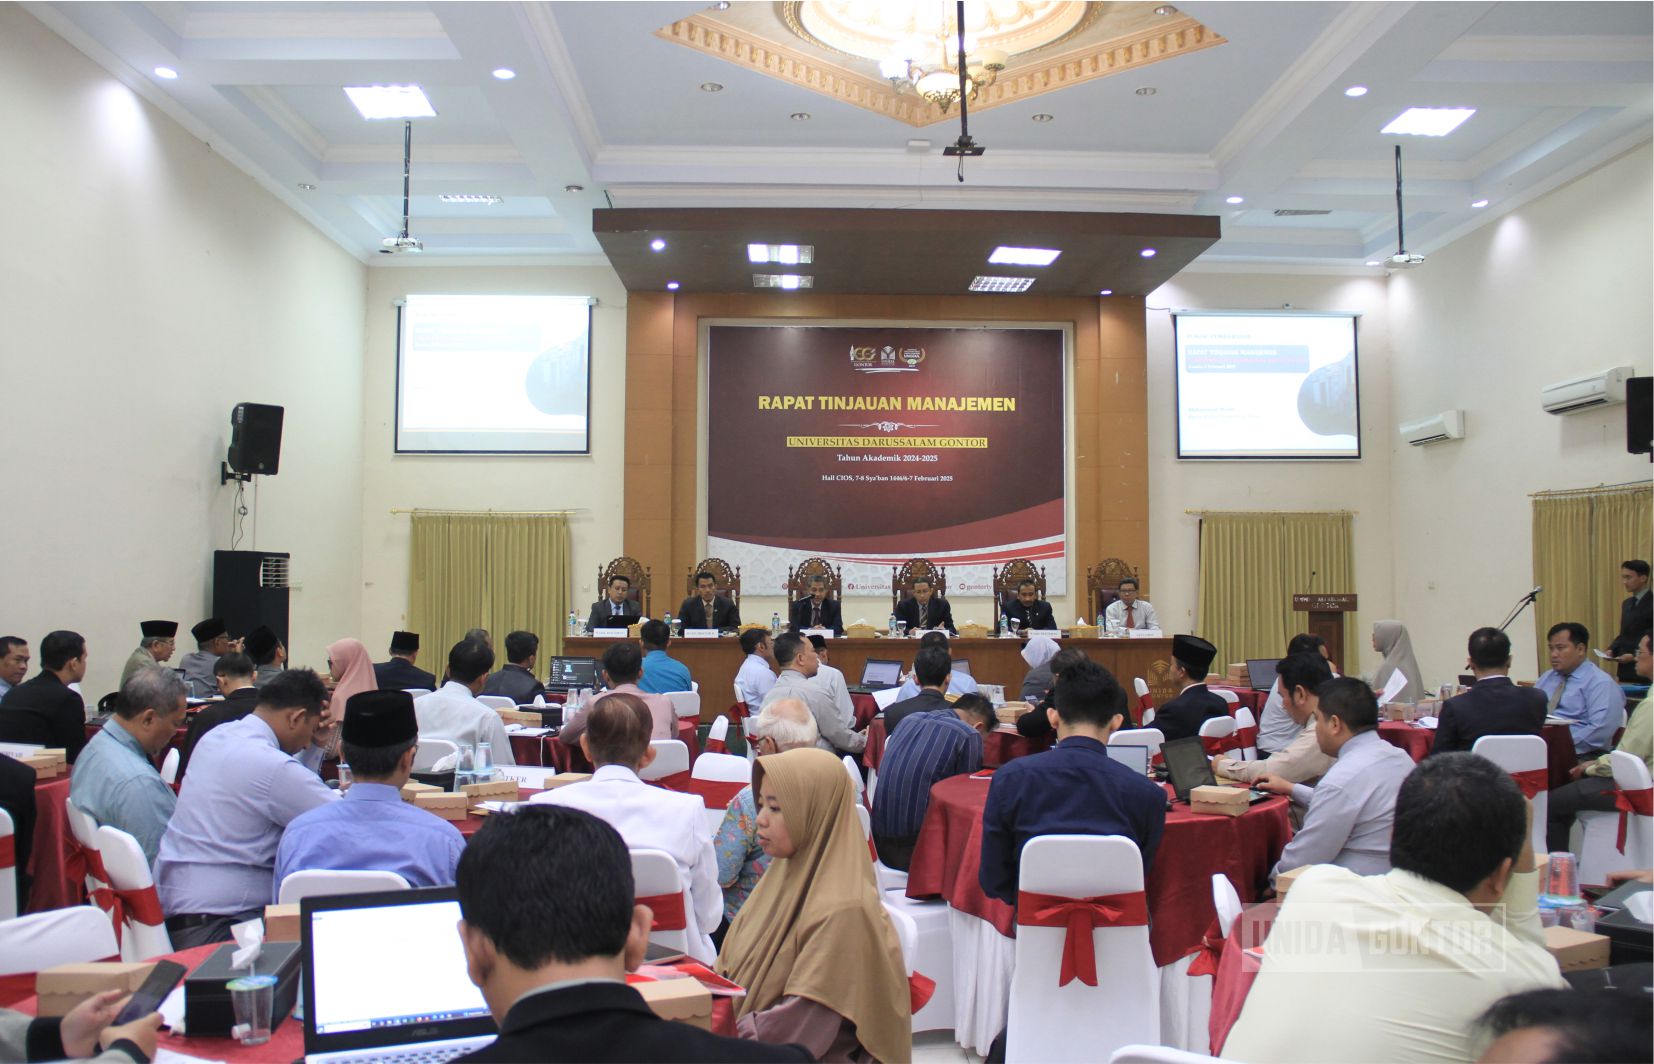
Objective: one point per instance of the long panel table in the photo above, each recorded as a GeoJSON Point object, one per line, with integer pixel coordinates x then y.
{"type": "Point", "coordinates": [714, 662]}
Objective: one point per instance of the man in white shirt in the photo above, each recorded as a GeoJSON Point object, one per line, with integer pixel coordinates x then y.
{"type": "Point", "coordinates": [757, 672]}
{"type": "Point", "coordinates": [1398, 966]}
{"type": "Point", "coordinates": [1128, 612]}
{"type": "Point", "coordinates": [799, 663]}
{"type": "Point", "coordinates": [452, 711]}
{"type": "Point", "coordinates": [831, 680]}
{"type": "Point", "coordinates": [616, 740]}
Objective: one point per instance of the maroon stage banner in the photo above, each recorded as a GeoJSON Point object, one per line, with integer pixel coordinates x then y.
{"type": "Point", "coordinates": [869, 446]}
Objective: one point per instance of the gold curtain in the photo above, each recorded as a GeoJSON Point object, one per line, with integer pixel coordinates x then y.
{"type": "Point", "coordinates": [1251, 564]}
{"type": "Point", "coordinates": [1579, 540]}
{"type": "Point", "coordinates": [502, 572]}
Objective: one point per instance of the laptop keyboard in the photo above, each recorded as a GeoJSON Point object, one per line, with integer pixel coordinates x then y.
{"type": "Point", "coordinates": [438, 1054]}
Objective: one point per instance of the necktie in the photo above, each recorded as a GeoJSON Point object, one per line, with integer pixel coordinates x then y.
{"type": "Point", "coordinates": [708, 608]}
{"type": "Point", "coordinates": [1556, 696]}
{"type": "Point", "coordinates": [815, 615]}
{"type": "Point", "coordinates": [1130, 621]}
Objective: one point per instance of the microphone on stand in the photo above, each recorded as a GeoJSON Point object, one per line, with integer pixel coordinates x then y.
{"type": "Point", "coordinates": [1521, 605]}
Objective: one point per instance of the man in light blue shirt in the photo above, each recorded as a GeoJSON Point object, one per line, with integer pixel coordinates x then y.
{"type": "Point", "coordinates": [756, 675]}
{"type": "Point", "coordinates": [244, 787]}
{"type": "Point", "coordinates": [662, 673]}
{"type": "Point", "coordinates": [1589, 699]}
{"type": "Point", "coordinates": [373, 829]}
{"type": "Point", "coordinates": [115, 780]}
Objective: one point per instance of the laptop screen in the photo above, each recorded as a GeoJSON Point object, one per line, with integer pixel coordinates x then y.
{"type": "Point", "coordinates": [386, 970]}
{"type": "Point", "coordinates": [573, 672]}
{"type": "Point", "coordinates": [1261, 672]}
{"type": "Point", "coordinates": [1188, 765]}
{"type": "Point", "coordinates": [1135, 758]}
{"type": "Point", "coordinates": [962, 665]}
{"type": "Point", "coordinates": [880, 673]}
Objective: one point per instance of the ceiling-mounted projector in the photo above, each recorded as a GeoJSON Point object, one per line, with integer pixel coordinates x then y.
{"type": "Point", "coordinates": [397, 245]}
{"type": "Point", "coordinates": [1404, 260]}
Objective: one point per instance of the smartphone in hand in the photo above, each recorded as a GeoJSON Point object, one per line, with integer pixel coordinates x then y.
{"type": "Point", "coordinates": [148, 997]}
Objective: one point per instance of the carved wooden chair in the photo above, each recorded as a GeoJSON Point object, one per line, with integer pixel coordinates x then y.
{"type": "Point", "coordinates": [798, 579]}
{"type": "Point", "coordinates": [725, 580]}
{"type": "Point", "coordinates": [636, 572]}
{"type": "Point", "coordinates": [901, 579]}
{"type": "Point", "coordinates": [1102, 583]}
{"type": "Point", "coordinates": [1005, 581]}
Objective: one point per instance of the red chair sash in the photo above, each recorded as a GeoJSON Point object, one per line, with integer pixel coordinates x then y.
{"type": "Point", "coordinates": [8, 851]}
{"type": "Point", "coordinates": [1081, 916]}
{"type": "Point", "coordinates": [1220, 744]}
{"type": "Point", "coordinates": [142, 906]}
{"type": "Point", "coordinates": [1144, 704]}
{"type": "Point", "coordinates": [83, 861]}
{"type": "Point", "coordinates": [1639, 803]}
{"type": "Point", "coordinates": [1245, 737]}
{"type": "Point", "coordinates": [1532, 781]}
{"type": "Point", "coordinates": [717, 794]}
{"type": "Point", "coordinates": [677, 781]}
{"type": "Point", "coordinates": [1211, 952]}
{"type": "Point", "coordinates": [668, 910]}
{"type": "Point", "coordinates": [737, 711]}
{"type": "Point", "coordinates": [717, 746]}
{"type": "Point", "coordinates": [920, 989]}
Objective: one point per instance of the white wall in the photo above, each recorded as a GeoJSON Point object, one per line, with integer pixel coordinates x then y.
{"type": "Point", "coordinates": [590, 483]}
{"type": "Point", "coordinates": [1554, 289]}
{"type": "Point", "coordinates": [146, 286]}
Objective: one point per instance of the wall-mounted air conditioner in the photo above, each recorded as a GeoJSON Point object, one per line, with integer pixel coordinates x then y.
{"type": "Point", "coordinates": [1585, 393]}
{"type": "Point", "coordinates": [1447, 425]}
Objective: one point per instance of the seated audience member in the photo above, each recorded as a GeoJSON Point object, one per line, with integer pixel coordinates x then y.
{"type": "Point", "coordinates": [1128, 612]}
{"type": "Point", "coordinates": [925, 609]}
{"type": "Point", "coordinates": [115, 779]}
{"type": "Point", "coordinates": [269, 656]}
{"type": "Point", "coordinates": [1398, 966]}
{"type": "Point", "coordinates": [1036, 723]}
{"type": "Point", "coordinates": [976, 711]}
{"type": "Point", "coordinates": [706, 608]}
{"type": "Point", "coordinates": [614, 609]}
{"type": "Point", "coordinates": [1276, 728]}
{"type": "Point", "coordinates": [516, 680]}
{"type": "Point", "coordinates": [1636, 618]}
{"type": "Point", "coordinates": [1038, 680]}
{"type": "Point", "coordinates": [212, 641]}
{"type": "Point", "coordinates": [935, 741]}
{"type": "Point", "coordinates": [1029, 610]}
{"type": "Point", "coordinates": [351, 670]}
{"type": "Point", "coordinates": [1593, 781]}
{"type": "Point", "coordinates": [798, 661]}
{"type": "Point", "coordinates": [402, 672]}
{"type": "Point", "coordinates": [784, 725]}
{"type": "Point", "coordinates": [17, 782]}
{"type": "Point", "coordinates": [813, 945]}
{"type": "Point", "coordinates": [1577, 691]}
{"type": "Point", "coordinates": [155, 645]}
{"type": "Point", "coordinates": [550, 930]}
{"type": "Point", "coordinates": [1301, 761]}
{"type": "Point", "coordinates": [452, 711]}
{"type": "Point", "coordinates": [479, 635]}
{"type": "Point", "coordinates": [84, 1033]}
{"type": "Point", "coordinates": [1074, 788]}
{"type": "Point", "coordinates": [622, 664]}
{"type": "Point", "coordinates": [1194, 704]}
{"type": "Point", "coordinates": [616, 741]}
{"type": "Point", "coordinates": [830, 679]}
{"type": "Point", "coordinates": [756, 675]}
{"type": "Point", "coordinates": [1390, 638]}
{"type": "Point", "coordinates": [372, 828]}
{"type": "Point", "coordinates": [218, 856]}
{"type": "Point", "coordinates": [1349, 812]}
{"type": "Point", "coordinates": [235, 675]}
{"type": "Point", "coordinates": [1567, 1027]}
{"type": "Point", "coordinates": [1494, 705]}
{"type": "Point", "coordinates": [818, 609]}
{"type": "Point", "coordinates": [14, 662]}
{"type": "Point", "coordinates": [662, 673]}
{"type": "Point", "coordinates": [959, 683]}
{"type": "Point", "coordinates": [46, 710]}
{"type": "Point", "coordinates": [932, 666]}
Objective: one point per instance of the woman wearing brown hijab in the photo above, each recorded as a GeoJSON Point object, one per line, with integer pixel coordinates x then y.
{"type": "Point", "coordinates": [812, 945]}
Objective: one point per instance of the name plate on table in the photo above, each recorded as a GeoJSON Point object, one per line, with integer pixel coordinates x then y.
{"type": "Point", "coordinates": [611, 633]}
{"type": "Point", "coordinates": [1049, 633]}
{"type": "Point", "coordinates": [700, 633]}
{"type": "Point", "coordinates": [825, 633]}
{"type": "Point", "coordinates": [526, 775]}
{"type": "Point", "coordinates": [20, 749]}
{"type": "Point", "coordinates": [1144, 633]}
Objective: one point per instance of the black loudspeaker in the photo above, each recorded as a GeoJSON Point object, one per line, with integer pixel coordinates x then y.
{"type": "Point", "coordinates": [1639, 415]}
{"type": "Point", "coordinates": [249, 588]}
{"type": "Point", "coordinates": [255, 438]}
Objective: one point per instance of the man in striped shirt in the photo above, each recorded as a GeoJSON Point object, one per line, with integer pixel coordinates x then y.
{"type": "Point", "coordinates": [931, 745]}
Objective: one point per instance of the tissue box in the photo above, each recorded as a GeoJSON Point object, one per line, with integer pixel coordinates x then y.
{"type": "Point", "coordinates": [1284, 881]}
{"type": "Point", "coordinates": [1010, 711]}
{"type": "Point", "coordinates": [684, 1000]}
{"type": "Point", "coordinates": [973, 630]}
{"type": "Point", "coordinates": [207, 1009]}
{"type": "Point", "coordinates": [1576, 951]}
{"type": "Point", "coordinates": [1083, 631]}
{"type": "Point", "coordinates": [45, 765]}
{"type": "Point", "coordinates": [1223, 801]}
{"type": "Point", "coordinates": [67, 985]}
{"type": "Point", "coordinates": [861, 631]}
{"type": "Point", "coordinates": [496, 790]}
{"type": "Point", "coordinates": [413, 789]}
{"type": "Point", "coordinates": [445, 805]}
{"type": "Point", "coordinates": [281, 923]}
{"type": "Point", "coordinates": [563, 779]}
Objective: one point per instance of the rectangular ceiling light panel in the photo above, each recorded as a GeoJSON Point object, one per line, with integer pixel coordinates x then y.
{"type": "Point", "coordinates": [1428, 121]}
{"type": "Point", "coordinates": [783, 254]}
{"type": "Point", "coordinates": [1009, 256]}
{"type": "Point", "coordinates": [1001, 284]}
{"type": "Point", "coordinates": [783, 280]}
{"type": "Point", "coordinates": [390, 101]}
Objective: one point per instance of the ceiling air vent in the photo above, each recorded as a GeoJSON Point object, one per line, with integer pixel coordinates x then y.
{"type": "Point", "coordinates": [1289, 213]}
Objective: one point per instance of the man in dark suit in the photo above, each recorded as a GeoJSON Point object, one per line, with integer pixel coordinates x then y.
{"type": "Point", "coordinates": [706, 608]}
{"type": "Point", "coordinates": [926, 609]}
{"type": "Point", "coordinates": [932, 668]}
{"type": "Point", "coordinates": [614, 609]}
{"type": "Point", "coordinates": [17, 799]}
{"type": "Point", "coordinates": [1494, 705]}
{"type": "Point", "coordinates": [1074, 788]}
{"type": "Point", "coordinates": [546, 898]}
{"type": "Point", "coordinates": [400, 673]}
{"type": "Point", "coordinates": [235, 674]}
{"type": "Point", "coordinates": [817, 610]}
{"type": "Point", "coordinates": [44, 710]}
{"type": "Point", "coordinates": [1194, 705]}
{"type": "Point", "coordinates": [1636, 619]}
{"type": "Point", "coordinates": [1029, 610]}
{"type": "Point", "coordinates": [516, 679]}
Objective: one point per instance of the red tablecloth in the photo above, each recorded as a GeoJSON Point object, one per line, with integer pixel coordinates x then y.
{"type": "Point", "coordinates": [1249, 698]}
{"type": "Point", "coordinates": [1194, 848]}
{"type": "Point", "coordinates": [998, 746]}
{"type": "Point", "coordinates": [1237, 969]}
{"type": "Point", "coordinates": [48, 860]}
{"type": "Point", "coordinates": [866, 709]}
{"type": "Point", "coordinates": [1559, 745]}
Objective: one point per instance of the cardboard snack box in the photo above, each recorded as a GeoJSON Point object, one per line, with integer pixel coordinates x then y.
{"type": "Point", "coordinates": [684, 1000]}
{"type": "Point", "coordinates": [445, 805]}
{"type": "Point", "coordinates": [1575, 951]}
{"type": "Point", "coordinates": [520, 716]}
{"type": "Point", "coordinates": [413, 788]}
{"type": "Point", "coordinates": [493, 790]}
{"type": "Point", "coordinates": [62, 988]}
{"type": "Point", "coordinates": [1219, 800]}
{"type": "Point", "coordinates": [1239, 675]}
{"type": "Point", "coordinates": [281, 923]}
{"type": "Point", "coordinates": [45, 765]}
{"type": "Point", "coordinates": [563, 779]}
{"type": "Point", "coordinates": [1284, 881]}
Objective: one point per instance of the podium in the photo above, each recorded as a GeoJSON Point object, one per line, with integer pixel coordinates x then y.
{"type": "Point", "coordinates": [1326, 619]}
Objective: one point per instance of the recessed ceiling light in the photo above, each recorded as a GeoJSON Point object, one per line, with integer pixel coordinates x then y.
{"type": "Point", "coordinates": [783, 280]}
{"type": "Point", "coordinates": [505, 73]}
{"type": "Point", "coordinates": [1009, 256]}
{"type": "Point", "coordinates": [166, 72]}
{"type": "Point", "coordinates": [785, 254]}
{"type": "Point", "coordinates": [1479, 203]}
{"type": "Point", "coordinates": [1147, 253]}
{"type": "Point", "coordinates": [1106, 292]}
{"type": "Point", "coordinates": [1043, 117]}
{"type": "Point", "coordinates": [477, 198]}
{"type": "Point", "coordinates": [1356, 90]}
{"type": "Point", "coordinates": [307, 186]}
{"type": "Point", "coordinates": [657, 244]}
{"type": "Point", "coordinates": [1235, 199]}
{"type": "Point", "coordinates": [987, 283]}
{"type": "Point", "coordinates": [671, 286]}
{"type": "Point", "coordinates": [574, 188]}
{"type": "Point", "coordinates": [390, 101]}
{"type": "Point", "coordinates": [1147, 90]}
{"type": "Point", "coordinates": [800, 116]}
{"type": "Point", "coordinates": [1374, 262]}
{"type": "Point", "coordinates": [1428, 121]}
{"type": "Point", "coordinates": [711, 86]}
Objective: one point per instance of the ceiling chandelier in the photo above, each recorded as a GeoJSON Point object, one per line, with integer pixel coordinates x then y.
{"type": "Point", "coordinates": [926, 68]}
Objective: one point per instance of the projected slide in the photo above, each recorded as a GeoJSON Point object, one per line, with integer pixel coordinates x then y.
{"type": "Point", "coordinates": [1267, 386]}
{"type": "Point", "coordinates": [493, 375]}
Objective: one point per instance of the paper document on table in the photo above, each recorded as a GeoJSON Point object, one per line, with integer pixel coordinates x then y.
{"type": "Point", "coordinates": [1427, 722]}
{"type": "Point", "coordinates": [163, 1055]}
{"type": "Point", "coordinates": [1604, 655]}
{"type": "Point", "coordinates": [886, 698]}
{"type": "Point", "coordinates": [1397, 681]}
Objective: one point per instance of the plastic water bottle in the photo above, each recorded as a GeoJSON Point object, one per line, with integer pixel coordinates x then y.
{"type": "Point", "coordinates": [892, 628]}
{"type": "Point", "coordinates": [574, 623]}
{"type": "Point", "coordinates": [671, 626]}
{"type": "Point", "coordinates": [1101, 622]}
{"type": "Point", "coordinates": [345, 777]}
{"type": "Point", "coordinates": [1002, 626]}
{"type": "Point", "coordinates": [775, 624]}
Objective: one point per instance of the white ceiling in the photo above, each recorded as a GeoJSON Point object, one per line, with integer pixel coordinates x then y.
{"type": "Point", "coordinates": [599, 101]}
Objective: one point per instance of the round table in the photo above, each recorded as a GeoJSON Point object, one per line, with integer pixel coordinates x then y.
{"type": "Point", "coordinates": [1248, 697]}
{"type": "Point", "coordinates": [1417, 741]}
{"type": "Point", "coordinates": [998, 746]}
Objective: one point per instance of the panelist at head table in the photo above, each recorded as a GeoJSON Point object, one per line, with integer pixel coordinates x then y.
{"type": "Point", "coordinates": [1031, 612]}
{"type": "Point", "coordinates": [401, 671]}
{"type": "Point", "coordinates": [1182, 716]}
{"type": "Point", "coordinates": [1128, 612]}
{"type": "Point", "coordinates": [925, 608]}
{"type": "Point", "coordinates": [155, 645]}
{"type": "Point", "coordinates": [817, 609]}
{"type": "Point", "coordinates": [706, 608]}
{"type": "Point", "coordinates": [614, 609]}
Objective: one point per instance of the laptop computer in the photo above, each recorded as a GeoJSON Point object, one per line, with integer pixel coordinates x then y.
{"type": "Point", "coordinates": [385, 979]}
{"type": "Point", "coordinates": [1188, 767]}
{"type": "Point", "coordinates": [1260, 672]}
{"type": "Point", "coordinates": [963, 665]}
{"type": "Point", "coordinates": [569, 674]}
{"type": "Point", "coordinates": [1135, 758]}
{"type": "Point", "coordinates": [878, 674]}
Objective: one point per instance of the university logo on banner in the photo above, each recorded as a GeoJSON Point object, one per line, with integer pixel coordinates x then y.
{"type": "Point", "coordinates": [886, 359]}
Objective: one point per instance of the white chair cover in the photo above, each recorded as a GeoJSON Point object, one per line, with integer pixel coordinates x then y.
{"type": "Point", "coordinates": [497, 701]}
{"type": "Point", "coordinates": [85, 830]}
{"type": "Point", "coordinates": [686, 703]}
{"type": "Point", "coordinates": [38, 941]}
{"type": "Point", "coordinates": [128, 869]}
{"type": "Point", "coordinates": [671, 757]}
{"type": "Point", "coordinates": [1157, 1055]}
{"type": "Point", "coordinates": [1226, 900]}
{"type": "Point", "coordinates": [1217, 728]}
{"type": "Point", "coordinates": [1597, 833]}
{"type": "Point", "coordinates": [169, 766]}
{"type": "Point", "coordinates": [1153, 738]}
{"type": "Point", "coordinates": [8, 871]}
{"type": "Point", "coordinates": [324, 882]}
{"type": "Point", "coordinates": [654, 872]}
{"type": "Point", "coordinates": [719, 732]}
{"type": "Point", "coordinates": [1244, 720]}
{"type": "Point", "coordinates": [1228, 696]}
{"type": "Point", "coordinates": [1521, 753]}
{"type": "Point", "coordinates": [430, 751]}
{"type": "Point", "coordinates": [417, 691]}
{"type": "Point", "coordinates": [720, 768]}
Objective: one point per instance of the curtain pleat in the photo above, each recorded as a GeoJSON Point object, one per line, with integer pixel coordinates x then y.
{"type": "Point", "coordinates": [1579, 541]}
{"type": "Point", "coordinates": [502, 572]}
{"type": "Point", "coordinates": [1251, 564]}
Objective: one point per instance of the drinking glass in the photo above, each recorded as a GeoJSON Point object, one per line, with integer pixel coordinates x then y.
{"type": "Point", "coordinates": [252, 997]}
